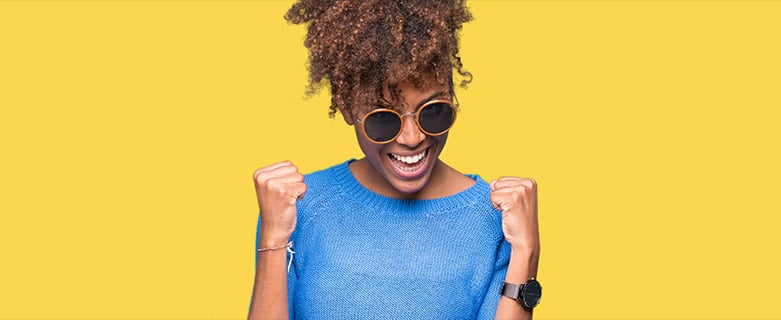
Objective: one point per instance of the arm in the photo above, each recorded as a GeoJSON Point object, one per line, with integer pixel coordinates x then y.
{"type": "Point", "coordinates": [523, 265]}
{"type": "Point", "coordinates": [269, 294]}
{"type": "Point", "coordinates": [517, 199]}
{"type": "Point", "coordinates": [278, 187]}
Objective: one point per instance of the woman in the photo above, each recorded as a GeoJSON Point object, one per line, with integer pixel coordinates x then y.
{"type": "Point", "coordinates": [398, 234]}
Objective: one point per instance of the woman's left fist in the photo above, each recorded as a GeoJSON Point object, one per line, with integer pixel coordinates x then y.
{"type": "Point", "coordinates": [517, 199]}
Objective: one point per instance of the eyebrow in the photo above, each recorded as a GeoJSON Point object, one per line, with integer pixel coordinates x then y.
{"type": "Point", "coordinates": [388, 105]}
{"type": "Point", "coordinates": [424, 101]}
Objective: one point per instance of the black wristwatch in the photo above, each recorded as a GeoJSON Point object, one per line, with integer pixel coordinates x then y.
{"type": "Point", "coordinates": [527, 294]}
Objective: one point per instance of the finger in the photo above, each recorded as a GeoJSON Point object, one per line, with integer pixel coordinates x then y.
{"type": "Point", "coordinates": [496, 199]}
{"type": "Point", "coordinates": [290, 178]}
{"type": "Point", "coordinates": [277, 165]}
{"type": "Point", "coordinates": [530, 183]}
{"type": "Point", "coordinates": [513, 197]}
{"type": "Point", "coordinates": [282, 184]}
{"type": "Point", "coordinates": [509, 178]}
{"type": "Point", "coordinates": [493, 185]}
{"type": "Point", "coordinates": [296, 191]}
{"type": "Point", "coordinates": [504, 184]}
{"type": "Point", "coordinates": [299, 189]}
{"type": "Point", "coordinates": [274, 166]}
{"type": "Point", "coordinates": [517, 182]}
{"type": "Point", "coordinates": [276, 172]}
{"type": "Point", "coordinates": [282, 170]}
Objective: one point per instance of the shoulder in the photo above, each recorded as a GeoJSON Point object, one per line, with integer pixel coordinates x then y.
{"type": "Point", "coordinates": [328, 196]}
{"type": "Point", "coordinates": [323, 184]}
{"type": "Point", "coordinates": [474, 203]}
{"type": "Point", "coordinates": [474, 193]}
{"type": "Point", "coordinates": [327, 176]}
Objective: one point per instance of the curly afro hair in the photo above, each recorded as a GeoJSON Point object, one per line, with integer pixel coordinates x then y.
{"type": "Point", "coordinates": [357, 46]}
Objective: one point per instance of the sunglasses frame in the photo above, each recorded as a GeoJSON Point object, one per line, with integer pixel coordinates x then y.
{"type": "Point", "coordinates": [417, 120]}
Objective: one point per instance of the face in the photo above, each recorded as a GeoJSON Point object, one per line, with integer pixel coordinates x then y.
{"type": "Point", "coordinates": [406, 164]}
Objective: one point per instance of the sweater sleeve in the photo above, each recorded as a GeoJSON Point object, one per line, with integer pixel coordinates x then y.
{"type": "Point", "coordinates": [492, 292]}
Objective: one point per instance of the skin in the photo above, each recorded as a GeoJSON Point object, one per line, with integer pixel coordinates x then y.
{"type": "Point", "coordinates": [375, 172]}
{"type": "Point", "coordinates": [280, 185]}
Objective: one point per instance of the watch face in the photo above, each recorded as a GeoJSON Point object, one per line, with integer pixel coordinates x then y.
{"type": "Point", "coordinates": [532, 292]}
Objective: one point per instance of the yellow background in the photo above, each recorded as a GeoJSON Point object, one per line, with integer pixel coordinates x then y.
{"type": "Point", "coordinates": [129, 131]}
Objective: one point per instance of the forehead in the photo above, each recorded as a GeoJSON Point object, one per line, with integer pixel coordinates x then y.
{"type": "Point", "coordinates": [409, 97]}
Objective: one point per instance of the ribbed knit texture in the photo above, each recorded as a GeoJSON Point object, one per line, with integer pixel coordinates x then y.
{"type": "Point", "coordinates": [360, 255]}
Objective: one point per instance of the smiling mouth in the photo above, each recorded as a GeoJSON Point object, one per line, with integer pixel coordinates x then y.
{"type": "Point", "coordinates": [409, 164]}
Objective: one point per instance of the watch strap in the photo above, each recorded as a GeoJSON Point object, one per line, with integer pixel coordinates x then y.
{"type": "Point", "coordinates": [512, 290]}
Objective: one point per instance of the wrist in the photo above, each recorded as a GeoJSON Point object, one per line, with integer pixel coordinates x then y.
{"type": "Point", "coordinates": [527, 294]}
{"type": "Point", "coordinates": [523, 250]}
{"type": "Point", "coordinates": [272, 238]}
{"type": "Point", "coordinates": [522, 265]}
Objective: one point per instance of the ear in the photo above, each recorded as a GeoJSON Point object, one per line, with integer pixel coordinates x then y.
{"type": "Point", "coordinates": [348, 117]}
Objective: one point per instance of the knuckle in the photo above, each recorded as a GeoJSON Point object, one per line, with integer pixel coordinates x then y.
{"type": "Point", "coordinates": [259, 174]}
{"type": "Point", "coordinates": [281, 191]}
{"type": "Point", "coordinates": [273, 184]}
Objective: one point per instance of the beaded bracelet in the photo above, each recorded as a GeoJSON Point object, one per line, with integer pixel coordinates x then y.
{"type": "Point", "coordinates": [289, 248]}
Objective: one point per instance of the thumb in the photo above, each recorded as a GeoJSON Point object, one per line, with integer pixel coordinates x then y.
{"type": "Point", "coordinates": [298, 191]}
{"type": "Point", "coordinates": [496, 200]}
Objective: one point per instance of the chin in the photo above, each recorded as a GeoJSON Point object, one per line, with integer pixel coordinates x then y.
{"type": "Point", "coordinates": [406, 169]}
{"type": "Point", "coordinates": [410, 187]}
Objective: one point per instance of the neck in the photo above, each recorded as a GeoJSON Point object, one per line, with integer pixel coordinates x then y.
{"type": "Point", "coordinates": [444, 181]}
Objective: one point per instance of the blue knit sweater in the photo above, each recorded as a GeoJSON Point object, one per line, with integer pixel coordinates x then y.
{"type": "Point", "coordinates": [360, 255]}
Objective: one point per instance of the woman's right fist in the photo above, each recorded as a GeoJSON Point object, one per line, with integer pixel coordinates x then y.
{"type": "Point", "coordinates": [278, 187]}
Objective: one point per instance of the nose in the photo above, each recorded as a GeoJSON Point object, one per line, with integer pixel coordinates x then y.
{"type": "Point", "coordinates": [411, 135]}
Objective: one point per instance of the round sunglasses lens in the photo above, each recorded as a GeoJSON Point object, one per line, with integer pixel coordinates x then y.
{"type": "Point", "coordinates": [437, 118]}
{"type": "Point", "coordinates": [382, 126]}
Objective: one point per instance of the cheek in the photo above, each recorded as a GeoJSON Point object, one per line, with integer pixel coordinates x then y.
{"type": "Point", "coordinates": [370, 149]}
{"type": "Point", "coordinates": [441, 140]}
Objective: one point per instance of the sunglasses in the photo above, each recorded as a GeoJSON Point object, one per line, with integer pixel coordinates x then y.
{"type": "Point", "coordinates": [384, 125]}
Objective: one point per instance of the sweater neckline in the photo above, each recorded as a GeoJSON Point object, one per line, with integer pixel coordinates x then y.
{"type": "Point", "coordinates": [371, 199]}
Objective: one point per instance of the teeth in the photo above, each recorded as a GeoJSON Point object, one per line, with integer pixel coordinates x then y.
{"type": "Point", "coordinates": [409, 159]}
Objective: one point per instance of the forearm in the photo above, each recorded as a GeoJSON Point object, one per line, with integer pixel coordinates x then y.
{"type": "Point", "coordinates": [523, 265]}
{"type": "Point", "coordinates": [269, 296]}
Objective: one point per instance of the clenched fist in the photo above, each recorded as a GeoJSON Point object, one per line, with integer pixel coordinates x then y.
{"type": "Point", "coordinates": [278, 187]}
{"type": "Point", "coordinates": [517, 199]}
